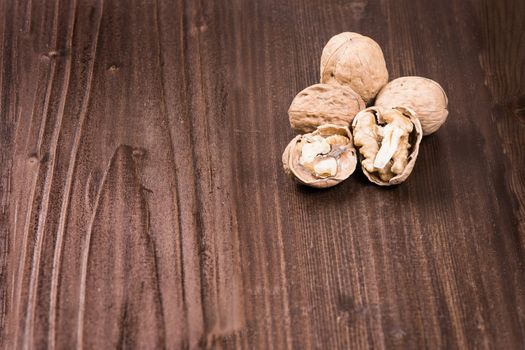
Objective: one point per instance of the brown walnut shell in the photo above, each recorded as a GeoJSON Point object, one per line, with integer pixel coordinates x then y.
{"type": "Point", "coordinates": [323, 104]}
{"type": "Point", "coordinates": [424, 96]}
{"type": "Point", "coordinates": [414, 139]}
{"type": "Point", "coordinates": [346, 158]}
{"type": "Point", "coordinates": [354, 60]}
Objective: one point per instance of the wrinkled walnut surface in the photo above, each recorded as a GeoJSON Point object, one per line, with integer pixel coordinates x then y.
{"type": "Point", "coordinates": [388, 143]}
{"type": "Point", "coordinates": [324, 104]}
{"type": "Point", "coordinates": [354, 60]}
{"type": "Point", "coordinates": [322, 158]}
{"type": "Point", "coordinates": [424, 96]}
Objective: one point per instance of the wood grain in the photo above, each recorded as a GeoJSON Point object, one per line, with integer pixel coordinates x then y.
{"type": "Point", "coordinates": [142, 202]}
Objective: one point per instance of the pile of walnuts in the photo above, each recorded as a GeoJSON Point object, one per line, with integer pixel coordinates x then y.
{"type": "Point", "coordinates": [333, 121]}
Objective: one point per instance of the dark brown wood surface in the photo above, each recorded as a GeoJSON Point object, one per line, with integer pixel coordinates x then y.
{"type": "Point", "coordinates": [143, 205]}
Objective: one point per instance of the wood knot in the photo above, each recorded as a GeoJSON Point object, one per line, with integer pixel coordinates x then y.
{"type": "Point", "coordinates": [139, 153]}
{"type": "Point", "coordinates": [53, 54]}
{"type": "Point", "coordinates": [397, 333]}
{"type": "Point", "coordinates": [202, 23]}
{"type": "Point", "coordinates": [114, 68]}
{"type": "Point", "coordinates": [518, 108]}
{"type": "Point", "coordinates": [358, 9]}
{"type": "Point", "coordinates": [514, 107]}
{"type": "Point", "coordinates": [32, 159]}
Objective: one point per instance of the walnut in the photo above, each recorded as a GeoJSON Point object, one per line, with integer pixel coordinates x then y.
{"type": "Point", "coordinates": [387, 141]}
{"type": "Point", "coordinates": [322, 158]}
{"type": "Point", "coordinates": [324, 104]}
{"type": "Point", "coordinates": [424, 96]}
{"type": "Point", "coordinates": [354, 60]}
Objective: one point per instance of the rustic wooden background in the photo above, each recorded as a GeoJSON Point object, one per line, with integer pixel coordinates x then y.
{"type": "Point", "coordinates": [143, 206]}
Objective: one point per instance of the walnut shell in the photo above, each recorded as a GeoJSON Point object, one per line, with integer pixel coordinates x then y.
{"type": "Point", "coordinates": [426, 97]}
{"type": "Point", "coordinates": [323, 104]}
{"type": "Point", "coordinates": [354, 60]}
{"type": "Point", "coordinates": [414, 139]}
{"type": "Point", "coordinates": [343, 152]}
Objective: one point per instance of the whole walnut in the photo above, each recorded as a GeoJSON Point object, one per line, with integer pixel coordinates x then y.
{"type": "Point", "coordinates": [424, 96]}
{"type": "Point", "coordinates": [324, 104]}
{"type": "Point", "coordinates": [355, 60]}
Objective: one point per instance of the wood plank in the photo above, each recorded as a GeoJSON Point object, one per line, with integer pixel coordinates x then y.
{"type": "Point", "coordinates": [143, 205]}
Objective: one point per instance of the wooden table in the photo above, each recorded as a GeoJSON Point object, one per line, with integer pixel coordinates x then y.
{"type": "Point", "coordinates": [143, 205]}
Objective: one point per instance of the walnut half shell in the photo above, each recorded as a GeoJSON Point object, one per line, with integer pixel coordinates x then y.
{"type": "Point", "coordinates": [323, 104]}
{"type": "Point", "coordinates": [387, 141]}
{"type": "Point", "coordinates": [322, 158]}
